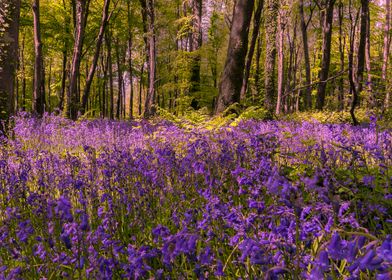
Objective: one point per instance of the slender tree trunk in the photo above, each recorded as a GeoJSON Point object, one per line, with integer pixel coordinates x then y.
{"type": "Point", "coordinates": [23, 64]}
{"type": "Point", "coordinates": [270, 22]}
{"type": "Point", "coordinates": [150, 109]}
{"type": "Point", "coordinates": [361, 59]}
{"type": "Point", "coordinates": [304, 31]}
{"type": "Point", "coordinates": [386, 51]}
{"type": "Point", "coordinates": [258, 67]}
{"type": "Point", "coordinates": [130, 45]}
{"type": "Point", "coordinates": [73, 101]}
{"type": "Point", "coordinates": [104, 67]}
{"type": "Point", "coordinates": [141, 90]}
{"type": "Point", "coordinates": [342, 46]}
{"type": "Point", "coordinates": [9, 36]}
{"type": "Point", "coordinates": [368, 62]}
{"type": "Point", "coordinates": [39, 71]}
{"type": "Point", "coordinates": [93, 67]}
{"type": "Point", "coordinates": [232, 77]}
{"type": "Point", "coordinates": [110, 68]}
{"type": "Point", "coordinates": [326, 50]}
{"type": "Point", "coordinates": [119, 82]}
{"type": "Point", "coordinates": [255, 35]}
{"type": "Point", "coordinates": [197, 41]}
{"type": "Point", "coordinates": [281, 70]}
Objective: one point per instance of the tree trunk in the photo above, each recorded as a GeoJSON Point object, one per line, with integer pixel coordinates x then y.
{"type": "Point", "coordinates": [119, 82]}
{"type": "Point", "coordinates": [93, 67]}
{"type": "Point", "coordinates": [255, 35]}
{"type": "Point", "coordinates": [197, 41]}
{"type": "Point", "coordinates": [368, 63]}
{"type": "Point", "coordinates": [342, 46]}
{"type": "Point", "coordinates": [326, 50]}
{"type": "Point", "coordinates": [304, 31]}
{"type": "Point", "coordinates": [258, 67]}
{"type": "Point", "coordinates": [150, 109]}
{"type": "Point", "coordinates": [39, 70]}
{"type": "Point", "coordinates": [386, 50]}
{"type": "Point", "coordinates": [231, 81]}
{"type": "Point", "coordinates": [130, 45]}
{"type": "Point", "coordinates": [141, 90]}
{"type": "Point", "coordinates": [282, 26]}
{"type": "Point", "coordinates": [9, 35]}
{"type": "Point", "coordinates": [72, 95]}
{"type": "Point", "coordinates": [361, 59]}
{"type": "Point", "coordinates": [23, 64]}
{"type": "Point", "coordinates": [110, 68]}
{"type": "Point", "coordinates": [270, 22]}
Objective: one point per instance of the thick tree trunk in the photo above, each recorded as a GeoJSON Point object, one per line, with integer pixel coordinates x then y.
{"type": "Point", "coordinates": [231, 81]}
{"type": "Point", "coordinates": [386, 50]}
{"type": "Point", "coordinates": [9, 35]}
{"type": "Point", "coordinates": [304, 31]}
{"type": "Point", "coordinates": [150, 109]}
{"type": "Point", "coordinates": [73, 101]}
{"type": "Point", "coordinates": [270, 22]}
{"type": "Point", "coordinates": [93, 67]}
{"type": "Point", "coordinates": [326, 51]}
{"type": "Point", "coordinates": [39, 70]}
{"type": "Point", "coordinates": [255, 35]}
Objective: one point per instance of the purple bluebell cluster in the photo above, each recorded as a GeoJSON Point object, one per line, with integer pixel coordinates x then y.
{"type": "Point", "coordinates": [137, 200]}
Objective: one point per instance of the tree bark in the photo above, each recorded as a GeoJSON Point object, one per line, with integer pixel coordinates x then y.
{"type": "Point", "coordinates": [119, 81]}
{"type": "Point", "coordinates": [255, 35]}
{"type": "Point", "coordinates": [110, 68]}
{"type": "Point", "coordinates": [197, 41]}
{"type": "Point", "coordinates": [39, 70]}
{"type": "Point", "coordinates": [386, 50]}
{"type": "Point", "coordinates": [369, 63]}
{"type": "Point", "coordinates": [130, 69]}
{"type": "Point", "coordinates": [270, 22]}
{"type": "Point", "coordinates": [361, 59]}
{"type": "Point", "coordinates": [231, 81]}
{"type": "Point", "coordinates": [73, 101]}
{"type": "Point", "coordinates": [150, 109]}
{"type": "Point", "coordinates": [93, 67]}
{"type": "Point", "coordinates": [326, 50]}
{"type": "Point", "coordinates": [308, 78]}
{"type": "Point", "coordinates": [281, 70]}
{"type": "Point", "coordinates": [342, 46]}
{"type": "Point", "coordinates": [9, 36]}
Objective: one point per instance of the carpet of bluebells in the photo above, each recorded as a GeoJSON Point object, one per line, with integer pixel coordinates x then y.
{"type": "Point", "coordinates": [99, 199]}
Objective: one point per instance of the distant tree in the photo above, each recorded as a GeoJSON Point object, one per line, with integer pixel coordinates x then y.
{"type": "Point", "coordinates": [232, 76]}
{"type": "Point", "coordinates": [9, 38]}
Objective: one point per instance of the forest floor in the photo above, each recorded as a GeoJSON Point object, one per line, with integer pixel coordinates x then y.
{"type": "Point", "coordinates": [99, 199]}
